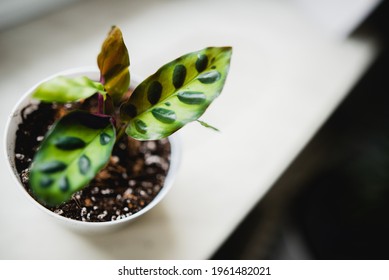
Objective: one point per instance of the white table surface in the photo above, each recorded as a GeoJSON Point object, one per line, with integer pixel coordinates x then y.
{"type": "Point", "coordinates": [286, 78]}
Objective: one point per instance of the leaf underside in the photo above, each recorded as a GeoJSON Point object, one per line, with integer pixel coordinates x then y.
{"type": "Point", "coordinates": [178, 93]}
{"type": "Point", "coordinates": [113, 61]}
{"type": "Point", "coordinates": [73, 152]}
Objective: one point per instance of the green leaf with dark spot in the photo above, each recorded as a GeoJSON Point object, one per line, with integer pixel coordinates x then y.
{"type": "Point", "coordinates": [105, 138]}
{"type": "Point", "coordinates": [188, 92]}
{"type": "Point", "coordinates": [84, 164]}
{"type": "Point", "coordinates": [164, 115]}
{"type": "Point", "coordinates": [65, 89]}
{"type": "Point", "coordinates": [64, 184]}
{"type": "Point", "coordinates": [49, 167]}
{"type": "Point", "coordinates": [140, 126]}
{"type": "Point", "coordinates": [70, 170]}
{"type": "Point", "coordinates": [201, 62]}
{"type": "Point", "coordinates": [209, 77]}
{"type": "Point", "coordinates": [179, 75]}
{"type": "Point", "coordinates": [192, 97]}
{"type": "Point", "coordinates": [46, 182]}
{"type": "Point", "coordinates": [113, 62]}
{"type": "Point", "coordinates": [154, 93]}
{"type": "Point", "coordinates": [69, 143]}
{"type": "Point", "coordinates": [127, 111]}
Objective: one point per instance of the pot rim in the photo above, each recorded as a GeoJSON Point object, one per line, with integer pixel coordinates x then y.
{"type": "Point", "coordinates": [175, 156]}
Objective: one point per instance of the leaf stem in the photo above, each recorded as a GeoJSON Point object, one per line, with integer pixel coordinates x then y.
{"type": "Point", "coordinates": [100, 104]}
{"type": "Point", "coordinates": [122, 130]}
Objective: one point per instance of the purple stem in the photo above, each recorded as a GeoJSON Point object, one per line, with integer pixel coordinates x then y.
{"type": "Point", "coordinates": [100, 100]}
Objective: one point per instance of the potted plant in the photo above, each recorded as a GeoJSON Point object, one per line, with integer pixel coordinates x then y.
{"type": "Point", "coordinates": [92, 147]}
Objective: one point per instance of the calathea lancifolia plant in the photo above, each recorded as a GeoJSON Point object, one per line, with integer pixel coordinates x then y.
{"type": "Point", "coordinates": [80, 143]}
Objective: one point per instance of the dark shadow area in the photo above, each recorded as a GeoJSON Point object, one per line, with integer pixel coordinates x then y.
{"type": "Point", "coordinates": [333, 201]}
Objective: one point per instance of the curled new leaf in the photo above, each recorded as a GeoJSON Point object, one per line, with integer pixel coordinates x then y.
{"type": "Point", "coordinates": [113, 62]}
{"type": "Point", "coordinates": [78, 146]}
{"type": "Point", "coordinates": [66, 89]}
{"type": "Point", "coordinates": [178, 93]}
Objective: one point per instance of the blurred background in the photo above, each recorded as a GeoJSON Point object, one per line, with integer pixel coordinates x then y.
{"type": "Point", "coordinates": [332, 202]}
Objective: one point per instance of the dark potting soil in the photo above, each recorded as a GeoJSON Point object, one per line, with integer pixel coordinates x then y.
{"type": "Point", "coordinates": [133, 177]}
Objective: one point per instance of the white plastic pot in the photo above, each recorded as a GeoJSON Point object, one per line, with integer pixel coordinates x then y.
{"type": "Point", "coordinates": [10, 137]}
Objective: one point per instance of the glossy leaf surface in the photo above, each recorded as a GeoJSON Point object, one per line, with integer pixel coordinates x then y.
{"type": "Point", "coordinates": [64, 89]}
{"type": "Point", "coordinates": [178, 93]}
{"type": "Point", "coordinates": [73, 151]}
{"type": "Point", "coordinates": [113, 62]}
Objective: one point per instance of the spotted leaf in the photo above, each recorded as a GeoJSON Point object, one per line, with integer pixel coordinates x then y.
{"type": "Point", "coordinates": [178, 93]}
{"type": "Point", "coordinates": [113, 62]}
{"type": "Point", "coordinates": [73, 151]}
{"type": "Point", "coordinates": [66, 89]}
